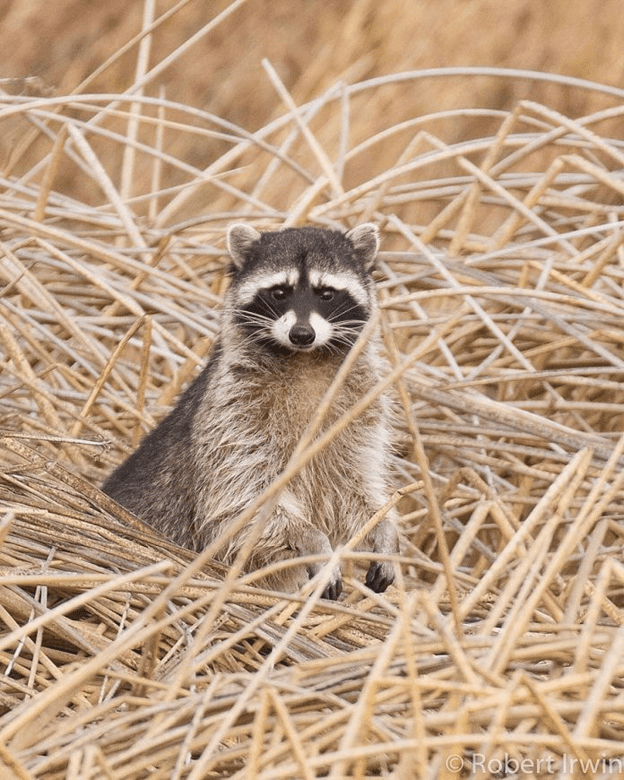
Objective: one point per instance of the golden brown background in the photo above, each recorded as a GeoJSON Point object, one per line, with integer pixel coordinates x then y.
{"type": "Point", "coordinates": [313, 44]}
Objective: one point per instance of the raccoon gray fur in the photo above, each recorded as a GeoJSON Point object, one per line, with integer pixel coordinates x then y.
{"type": "Point", "coordinates": [297, 301]}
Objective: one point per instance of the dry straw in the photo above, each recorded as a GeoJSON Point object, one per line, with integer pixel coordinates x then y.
{"type": "Point", "coordinates": [500, 281]}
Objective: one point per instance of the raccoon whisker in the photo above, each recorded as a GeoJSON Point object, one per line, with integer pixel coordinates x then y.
{"type": "Point", "coordinates": [249, 327]}
{"type": "Point", "coordinates": [333, 348]}
{"type": "Point", "coordinates": [346, 335]}
{"type": "Point", "coordinates": [253, 331]}
{"type": "Point", "coordinates": [273, 312]}
{"type": "Point", "coordinates": [251, 338]}
{"type": "Point", "coordinates": [246, 314]}
{"type": "Point", "coordinates": [348, 326]}
{"type": "Point", "coordinates": [339, 343]}
{"type": "Point", "coordinates": [256, 322]}
{"type": "Point", "coordinates": [249, 318]}
{"type": "Point", "coordinates": [341, 310]}
{"type": "Point", "coordinates": [347, 323]}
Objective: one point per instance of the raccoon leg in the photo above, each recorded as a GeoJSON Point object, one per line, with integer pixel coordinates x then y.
{"type": "Point", "coordinates": [311, 541]}
{"type": "Point", "coordinates": [385, 540]}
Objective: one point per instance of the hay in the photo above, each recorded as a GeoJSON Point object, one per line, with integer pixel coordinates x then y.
{"type": "Point", "coordinates": [499, 649]}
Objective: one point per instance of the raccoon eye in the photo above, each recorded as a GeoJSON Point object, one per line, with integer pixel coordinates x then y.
{"type": "Point", "coordinates": [279, 293]}
{"type": "Point", "coordinates": [325, 293]}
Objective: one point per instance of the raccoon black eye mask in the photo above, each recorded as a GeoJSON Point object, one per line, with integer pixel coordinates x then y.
{"type": "Point", "coordinates": [297, 301]}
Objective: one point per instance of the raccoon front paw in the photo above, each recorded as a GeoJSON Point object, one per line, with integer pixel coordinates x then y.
{"type": "Point", "coordinates": [379, 576]}
{"type": "Point", "coordinates": [334, 586]}
{"type": "Point", "coordinates": [311, 541]}
{"type": "Point", "coordinates": [333, 589]}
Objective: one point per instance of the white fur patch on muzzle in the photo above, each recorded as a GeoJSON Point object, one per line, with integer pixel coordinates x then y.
{"type": "Point", "coordinates": [280, 330]}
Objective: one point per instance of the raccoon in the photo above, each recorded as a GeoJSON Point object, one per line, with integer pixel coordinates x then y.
{"type": "Point", "coordinates": [297, 300]}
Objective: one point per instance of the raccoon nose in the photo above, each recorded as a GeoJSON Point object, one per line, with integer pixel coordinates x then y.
{"type": "Point", "coordinates": [302, 335]}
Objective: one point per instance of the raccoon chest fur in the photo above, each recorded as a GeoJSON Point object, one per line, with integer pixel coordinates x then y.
{"type": "Point", "coordinates": [291, 397]}
{"type": "Point", "coordinates": [244, 443]}
{"type": "Point", "coordinates": [258, 427]}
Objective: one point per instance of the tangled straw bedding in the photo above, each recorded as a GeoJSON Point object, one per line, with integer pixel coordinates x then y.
{"type": "Point", "coordinates": [500, 283]}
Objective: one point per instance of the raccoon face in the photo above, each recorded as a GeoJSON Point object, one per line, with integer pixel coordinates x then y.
{"type": "Point", "coordinates": [301, 289]}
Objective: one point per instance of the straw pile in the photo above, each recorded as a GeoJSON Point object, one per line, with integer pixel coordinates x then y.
{"type": "Point", "coordinates": [500, 648]}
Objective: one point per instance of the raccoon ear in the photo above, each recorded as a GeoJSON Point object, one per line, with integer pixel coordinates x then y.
{"type": "Point", "coordinates": [239, 238]}
{"type": "Point", "coordinates": [365, 240]}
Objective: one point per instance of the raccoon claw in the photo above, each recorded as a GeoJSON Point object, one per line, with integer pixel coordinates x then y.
{"type": "Point", "coordinates": [333, 590]}
{"type": "Point", "coordinates": [379, 576]}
